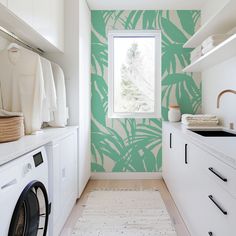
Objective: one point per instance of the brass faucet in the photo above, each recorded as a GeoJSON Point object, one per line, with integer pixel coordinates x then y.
{"type": "Point", "coordinates": [222, 93]}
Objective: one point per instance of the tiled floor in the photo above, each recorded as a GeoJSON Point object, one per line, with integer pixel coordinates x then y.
{"type": "Point", "coordinates": [131, 184]}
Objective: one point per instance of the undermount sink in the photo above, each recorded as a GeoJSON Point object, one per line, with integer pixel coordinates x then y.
{"type": "Point", "coordinates": [214, 133]}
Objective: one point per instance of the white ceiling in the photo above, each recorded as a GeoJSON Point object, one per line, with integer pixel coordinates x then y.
{"type": "Point", "coordinates": [145, 4]}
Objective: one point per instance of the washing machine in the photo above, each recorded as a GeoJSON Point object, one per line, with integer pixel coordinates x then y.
{"type": "Point", "coordinates": [24, 205]}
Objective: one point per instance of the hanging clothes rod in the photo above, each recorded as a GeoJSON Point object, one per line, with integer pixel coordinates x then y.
{"type": "Point", "coordinates": [22, 42]}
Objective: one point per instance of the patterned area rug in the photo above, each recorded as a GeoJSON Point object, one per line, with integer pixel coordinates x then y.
{"type": "Point", "coordinates": [124, 213]}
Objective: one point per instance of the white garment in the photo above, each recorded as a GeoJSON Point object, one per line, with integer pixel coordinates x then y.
{"type": "Point", "coordinates": [22, 85]}
{"type": "Point", "coordinates": [60, 116]}
{"type": "Point", "coordinates": [50, 103]}
{"type": "Point", "coordinates": [4, 113]}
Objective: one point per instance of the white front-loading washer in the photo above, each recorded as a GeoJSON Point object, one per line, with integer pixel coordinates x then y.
{"type": "Point", "coordinates": [24, 206]}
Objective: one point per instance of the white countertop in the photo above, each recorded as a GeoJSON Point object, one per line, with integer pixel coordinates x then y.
{"type": "Point", "coordinates": [224, 148]}
{"type": "Point", "coordinates": [12, 150]}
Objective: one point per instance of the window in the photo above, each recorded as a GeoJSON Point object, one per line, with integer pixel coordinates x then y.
{"type": "Point", "coordinates": [134, 74]}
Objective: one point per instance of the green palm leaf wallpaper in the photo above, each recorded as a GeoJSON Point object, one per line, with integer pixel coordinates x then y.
{"type": "Point", "coordinates": [135, 145]}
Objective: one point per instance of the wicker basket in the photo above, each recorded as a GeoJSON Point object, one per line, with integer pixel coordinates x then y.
{"type": "Point", "coordinates": [11, 128]}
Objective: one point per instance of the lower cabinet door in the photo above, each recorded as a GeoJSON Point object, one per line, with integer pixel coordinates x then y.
{"type": "Point", "coordinates": [68, 174]}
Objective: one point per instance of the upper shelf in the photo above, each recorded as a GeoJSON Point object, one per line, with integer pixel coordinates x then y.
{"type": "Point", "coordinates": [223, 21]}
{"type": "Point", "coordinates": [221, 53]}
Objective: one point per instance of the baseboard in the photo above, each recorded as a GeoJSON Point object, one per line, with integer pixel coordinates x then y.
{"type": "Point", "coordinates": [126, 176]}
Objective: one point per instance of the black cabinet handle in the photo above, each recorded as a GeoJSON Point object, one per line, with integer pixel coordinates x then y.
{"type": "Point", "coordinates": [210, 233]}
{"type": "Point", "coordinates": [170, 140]}
{"type": "Point", "coordinates": [218, 206]}
{"type": "Point", "coordinates": [217, 174]}
{"type": "Point", "coordinates": [186, 154]}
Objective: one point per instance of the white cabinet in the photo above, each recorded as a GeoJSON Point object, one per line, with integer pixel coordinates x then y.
{"type": "Point", "coordinates": [45, 18]}
{"type": "Point", "coordinates": [57, 29]}
{"type": "Point", "coordinates": [23, 9]}
{"type": "Point", "coordinates": [42, 17]}
{"type": "Point", "coordinates": [4, 2]}
{"type": "Point", "coordinates": [62, 157]}
{"type": "Point", "coordinates": [205, 199]}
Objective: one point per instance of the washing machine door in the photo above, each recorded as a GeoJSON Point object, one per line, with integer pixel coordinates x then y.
{"type": "Point", "coordinates": [30, 217]}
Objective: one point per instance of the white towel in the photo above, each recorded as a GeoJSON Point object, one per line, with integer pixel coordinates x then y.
{"type": "Point", "coordinates": [199, 117]}
{"type": "Point", "coordinates": [60, 116]}
{"type": "Point", "coordinates": [218, 38]}
{"type": "Point", "coordinates": [196, 52]}
{"type": "Point", "coordinates": [50, 102]}
{"type": "Point", "coordinates": [195, 123]}
{"type": "Point", "coordinates": [196, 57]}
{"type": "Point", "coordinates": [199, 120]}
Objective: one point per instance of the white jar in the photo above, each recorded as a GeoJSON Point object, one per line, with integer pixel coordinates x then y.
{"type": "Point", "coordinates": [174, 114]}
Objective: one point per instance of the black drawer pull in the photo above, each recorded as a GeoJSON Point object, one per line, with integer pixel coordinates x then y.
{"type": "Point", "coordinates": [170, 140]}
{"type": "Point", "coordinates": [186, 154]}
{"type": "Point", "coordinates": [217, 174]}
{"type": "Point", "coordinates": [218, 206]}
{"type": "Point", "coordinates": [210, 233]}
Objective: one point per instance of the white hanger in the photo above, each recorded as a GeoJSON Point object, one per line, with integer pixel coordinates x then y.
{"type": "Point", "coordinates": [13, 47]}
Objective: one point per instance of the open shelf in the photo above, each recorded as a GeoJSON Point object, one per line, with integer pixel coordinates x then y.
{"type": "Point", "coordinates": [222, 22]}
{"type": "Point", "coordinates": [221, 53]}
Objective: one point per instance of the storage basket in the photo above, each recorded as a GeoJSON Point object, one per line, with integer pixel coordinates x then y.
{"type": "Point", "coordinates": [11, 128]}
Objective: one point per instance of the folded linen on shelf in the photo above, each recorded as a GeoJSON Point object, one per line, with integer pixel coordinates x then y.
{"type": "Point", "coordinates": [196, 57]}
{"type": "Point", "coordinates": [214, 39]}
{"type": "Point", "coordinates": [209, 48]}
{"type": "Point", "coordinates": [196, 52]}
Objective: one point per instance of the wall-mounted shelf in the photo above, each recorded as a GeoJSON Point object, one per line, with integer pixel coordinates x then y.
{"type": "Point", "coordinates": [221, 22]}
{"type": "Point", "coordinates": [221, 53]}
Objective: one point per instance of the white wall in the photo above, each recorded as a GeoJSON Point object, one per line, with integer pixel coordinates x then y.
{"type": "Point", "coordinates": [218, 78]}
{"type": "Point", "coordinates": [214, 80]}
{"type": "Point", "coordinates": [84, 93]}
{"type": "Point", "coordinates": [76, 65]}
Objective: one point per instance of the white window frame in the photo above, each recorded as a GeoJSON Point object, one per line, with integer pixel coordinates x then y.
{"type": "Point", "coordinates": [157, 102]}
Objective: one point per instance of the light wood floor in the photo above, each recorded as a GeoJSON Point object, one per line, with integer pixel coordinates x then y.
{"type": "Point", "coordinates": [131, 184]}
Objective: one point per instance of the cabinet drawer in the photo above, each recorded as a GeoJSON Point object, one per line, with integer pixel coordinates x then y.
{"type": "Point", "coordinates": [219, 210]}
{"type": "Point", "coordinates": [219, 172]}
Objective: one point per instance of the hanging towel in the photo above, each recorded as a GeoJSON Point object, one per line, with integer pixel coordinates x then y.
{"type": "Point", "coordinates": [22, 85]}
{"type": "Point", "coordinates": [59, 116]}
{"type": "Point", "coordinates": [50, 102]}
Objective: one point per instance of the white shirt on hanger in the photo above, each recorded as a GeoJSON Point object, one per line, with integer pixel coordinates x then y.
{"type": "Point", "coordinates": [50, 103]}
{"type": "Point", "coordinates": [60, 116]}
{"type": "Point", "coordinates": [22, 85]}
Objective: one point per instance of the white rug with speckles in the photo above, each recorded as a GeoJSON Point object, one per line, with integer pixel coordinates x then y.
{"type": "Point", "coordinates": [124, 213]}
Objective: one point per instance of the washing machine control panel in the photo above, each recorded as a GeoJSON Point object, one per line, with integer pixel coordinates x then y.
{"type": "Point", "coordinates": [38, 159]}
